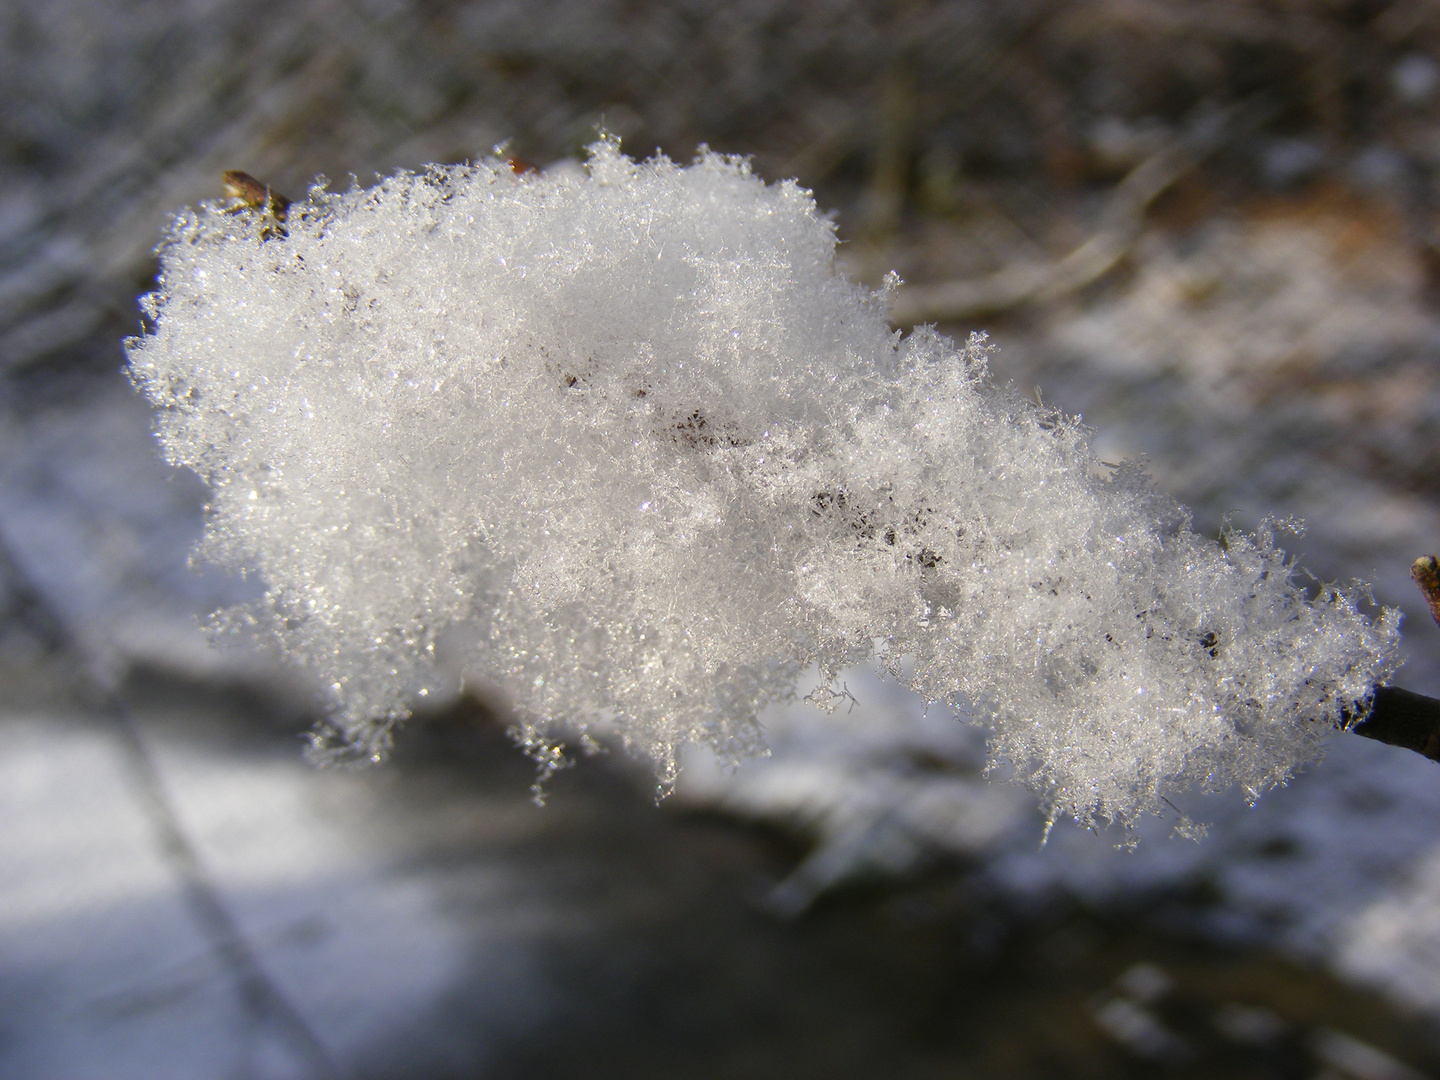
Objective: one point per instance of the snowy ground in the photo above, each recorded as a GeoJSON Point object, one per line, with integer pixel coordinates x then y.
{"type": "Point", "coordinates": [107, 970]}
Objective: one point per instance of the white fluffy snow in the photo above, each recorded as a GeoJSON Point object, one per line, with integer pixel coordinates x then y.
{"type": "Point", "coordinates": [622, 445]}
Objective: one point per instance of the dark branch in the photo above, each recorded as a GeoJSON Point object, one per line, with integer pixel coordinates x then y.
{"type": "Point", "coordinates": [1402, 718]}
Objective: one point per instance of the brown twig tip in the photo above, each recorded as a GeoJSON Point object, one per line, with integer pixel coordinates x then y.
{"type": "Point", "coordinates": [1426, 572]}
{"type": "Point", "coordinates": [253, 195]}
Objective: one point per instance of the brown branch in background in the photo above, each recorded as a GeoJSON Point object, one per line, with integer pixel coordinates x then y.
{"type": "Point", "coordinates": [1023, 283]}
{"type": "Point", "coordinates": [890, 173]}
{"type": "Point", "coordinates": [1047, 101]}
{"type": "Point", "coordinates": [1120, 225]}
{"type": "Point", "coordinates": [1026, 282]}
{"type": "Point", "coordinates": [978, 64]}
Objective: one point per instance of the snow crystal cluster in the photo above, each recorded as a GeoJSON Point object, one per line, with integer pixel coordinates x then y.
{"type": "Point", "coordinates": [620, 444]}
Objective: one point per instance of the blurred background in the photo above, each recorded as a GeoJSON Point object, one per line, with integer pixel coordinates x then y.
{"type": "Point", "coordinates": [1209, 226]}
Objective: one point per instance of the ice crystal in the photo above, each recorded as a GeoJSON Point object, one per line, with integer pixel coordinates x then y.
{"type": "Point", "coordinates": [623, 442]}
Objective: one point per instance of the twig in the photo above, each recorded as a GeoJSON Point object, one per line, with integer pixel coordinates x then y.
{"type": "Point", "coordinates": [1402, 718]}
{"type": "Point", "coordinates": [249, 194]}
{"type": "Point", "coordinates": [255, 194]}
{"type": "Point", "coordinates": [1399, 717]}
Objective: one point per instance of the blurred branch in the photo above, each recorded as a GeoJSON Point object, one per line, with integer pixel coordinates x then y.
{"type": "Point", "coordinates": [890, 173]}
{"type": "Point", "coordinates": [1297, 28]}
{"type": "Point", "coordinates": [1120, 224]}
{"type": "Point", "coordinates": [978, 62]}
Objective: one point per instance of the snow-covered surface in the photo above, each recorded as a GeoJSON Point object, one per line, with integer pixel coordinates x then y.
{"type": "Point", "coordinates": [107, 972]}
{"type": "Point", "coordinates": [1394, 943]}
{"type": "Point", "coordinates": [1331, 866]}
{"type": "Point", "coordinates": [881, 784]}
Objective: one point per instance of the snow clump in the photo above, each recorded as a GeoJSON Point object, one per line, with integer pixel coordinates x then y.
{"type": "Point", "coordinates": [622, 444]}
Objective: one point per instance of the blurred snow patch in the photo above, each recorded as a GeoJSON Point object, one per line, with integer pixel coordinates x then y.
{"type": "Point", "coordinates": [1339, 867]}
{"type": "Point", "coordinates": [1241, 304]}
{"type": "Point", "coordinates": [104, 969]}
{"type": "Point", "coordinates": [1395, 942]}
{"type": "Point", "coordinates": [1414, 78]}
{"type": "Point", "coordinates": [102, 530]}
{"type": "Point", "coordinates": [882, 786]}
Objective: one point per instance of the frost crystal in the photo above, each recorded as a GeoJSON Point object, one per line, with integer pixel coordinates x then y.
{"type": "Point", "coordinates": [624, 443]}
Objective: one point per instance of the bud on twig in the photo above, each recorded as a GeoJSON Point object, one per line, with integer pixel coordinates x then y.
{"type": "Point", "coordinates": [251, 194]}
{"type": "Point", "coordinates": [1426, 572]}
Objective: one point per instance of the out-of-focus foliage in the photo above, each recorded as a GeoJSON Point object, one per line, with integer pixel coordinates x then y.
{"type": "Point", "coordinates": [118, 111]}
